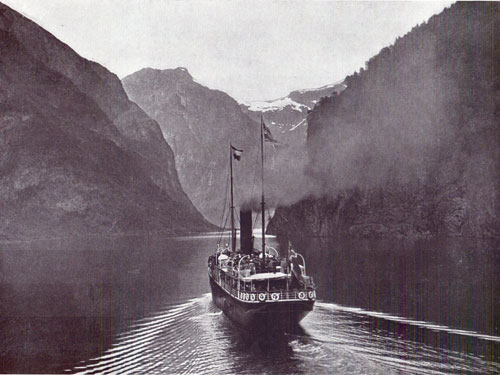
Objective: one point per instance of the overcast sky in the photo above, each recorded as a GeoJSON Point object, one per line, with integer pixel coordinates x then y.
{"type": "Point", "coordinates": [250, 49]}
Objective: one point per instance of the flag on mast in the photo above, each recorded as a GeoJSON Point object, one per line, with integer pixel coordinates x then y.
{"type": "Point", "coordinates": [236, 153]}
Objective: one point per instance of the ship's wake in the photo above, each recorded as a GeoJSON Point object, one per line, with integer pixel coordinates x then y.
{"type": "Point", "coordinates": [195, 337]}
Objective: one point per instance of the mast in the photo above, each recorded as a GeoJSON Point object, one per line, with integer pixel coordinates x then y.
{"type": "Point", "coordinates": [262, 184]}
{"type": "Point", "coordinates": [233, 230]}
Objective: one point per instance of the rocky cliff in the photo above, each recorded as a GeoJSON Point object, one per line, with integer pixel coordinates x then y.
{"type": "Point", "coordinates": [76, 155]}
{"type": "Point", "coordinates": [412, 147]}
{"type": "Point", "coordinates": [199, 124]}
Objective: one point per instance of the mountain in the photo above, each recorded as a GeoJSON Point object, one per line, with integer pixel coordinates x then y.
{"type": "Point", "coordinates": [199, 124]}
{"type": "Point", "coordinates": [286, 116]}
{"type": "Point", "coordinates": [411, 148]}
{"type": "Point", "coordinates": [77, 156]}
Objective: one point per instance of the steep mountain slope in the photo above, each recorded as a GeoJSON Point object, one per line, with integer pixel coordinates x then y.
{"type": "Point", "coordinates": [77, 157]}
{"type": "Point", "coordinates": [286, 116]}
{"type": "Point", "coordinates": [412, 146]}
{"type": "Point", "coordinates": [199, 124]}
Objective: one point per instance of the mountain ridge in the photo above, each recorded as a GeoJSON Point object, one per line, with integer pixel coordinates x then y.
{"type": "Point", "coordinates": [199, 123]}
{"type": "Point", "coordinates": [77, 156]}
{"type": "Point", "coordinates": [408, 149]}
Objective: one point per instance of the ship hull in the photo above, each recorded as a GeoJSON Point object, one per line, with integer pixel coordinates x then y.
{"type": "Point", "coordinates": [268, 316]}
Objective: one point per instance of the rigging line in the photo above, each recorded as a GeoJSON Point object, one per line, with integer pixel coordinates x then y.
{"type": "Point", "coordinates": [237, 194]}
{"type": "Point", "coordinates": [225, 222]}
{"type": "Point", "coordinates": [225, 202]}
{"type": "Point", "coordinates": [224, 206]}
{"type": "Point", "coordinates": [222, 229]}
{"type": "Point", "coordinates": [236, 212]}
{"type": "Point", "coordinates": [237, 215]}
{"type": "Point", "coordinates": [238, 191]}
{"type": "Point", "coordinates": [222, 232]}
{"type": "Point", "coordinates": [269, 217]}
{"type": "Point", "coordinates": [257, 156]}
{"type": "Point", "coordinates": [238, 219]}
{"type": "Point", "coordinates": [255, 221]}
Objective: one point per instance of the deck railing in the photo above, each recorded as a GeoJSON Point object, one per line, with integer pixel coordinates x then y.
{"type": "Point", "coordinates": [226, 282]}
{"type": "Point", "coordinates": [273, 296]}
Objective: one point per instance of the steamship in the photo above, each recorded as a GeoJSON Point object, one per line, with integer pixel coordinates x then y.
{"type": "Point", "coordinates": [258, 288]}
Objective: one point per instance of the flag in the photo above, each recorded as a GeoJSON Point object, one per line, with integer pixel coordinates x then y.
{"type": "Point", "coordinates": [267, 133]}
{"type": "Point", "coordinates": [236, 153]}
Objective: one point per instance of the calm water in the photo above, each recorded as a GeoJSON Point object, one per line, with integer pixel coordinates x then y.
{"type": "Point", "coordinates": [142, 305]}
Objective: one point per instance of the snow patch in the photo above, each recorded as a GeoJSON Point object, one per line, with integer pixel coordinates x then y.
{"type": "Point", "coordinates": [297, 125]}
{"type": "Point", "coordinates": [275, 105]}
{"type": "Point", "coordinates": [281, 103]}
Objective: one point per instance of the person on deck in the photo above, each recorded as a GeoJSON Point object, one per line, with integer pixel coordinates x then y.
{"type": "Point", "coordinates": [284, 265]}
{"type": "Point", "coordinates": [296, 270]}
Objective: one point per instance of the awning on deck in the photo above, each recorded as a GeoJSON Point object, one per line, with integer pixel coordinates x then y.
{"type": "Point", "coordinates": [264, 276]}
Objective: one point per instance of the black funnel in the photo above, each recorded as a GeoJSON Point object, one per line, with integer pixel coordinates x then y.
{"type": "Point", "coordinates": [246, 241]}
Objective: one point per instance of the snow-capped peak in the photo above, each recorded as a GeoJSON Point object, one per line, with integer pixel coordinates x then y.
{"type": "Point", "coordinates": [275, 105]}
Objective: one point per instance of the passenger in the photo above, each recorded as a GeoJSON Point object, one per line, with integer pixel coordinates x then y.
{"type": "Point", "coordinates": [252, 268]}
{"type": "Point", "coordinates": [296, 270]}
{"type": "Point", "coordinates": [284, 265]}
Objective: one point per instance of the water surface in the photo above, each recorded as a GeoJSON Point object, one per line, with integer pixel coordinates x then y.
{"type": "Point", "coordinates": [142, 305]}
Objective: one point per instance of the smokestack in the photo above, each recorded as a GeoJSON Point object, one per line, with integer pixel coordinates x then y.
{"type": "Point", "coordinates": [246, 242]}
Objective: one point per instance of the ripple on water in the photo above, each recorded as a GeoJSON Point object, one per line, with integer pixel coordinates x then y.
{"type": "Point", "coordinates": [195, 337]}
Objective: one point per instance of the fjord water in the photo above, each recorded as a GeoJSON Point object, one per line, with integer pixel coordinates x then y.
{"type": "Point", "coordinates": [142, 305]}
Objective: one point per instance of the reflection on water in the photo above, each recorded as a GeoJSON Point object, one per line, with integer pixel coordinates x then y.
{"type": "Point", "coordinates": [141, 305]}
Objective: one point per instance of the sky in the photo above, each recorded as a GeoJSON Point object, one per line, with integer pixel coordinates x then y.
{"type": "Point", "coordinates": [251, 49]}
